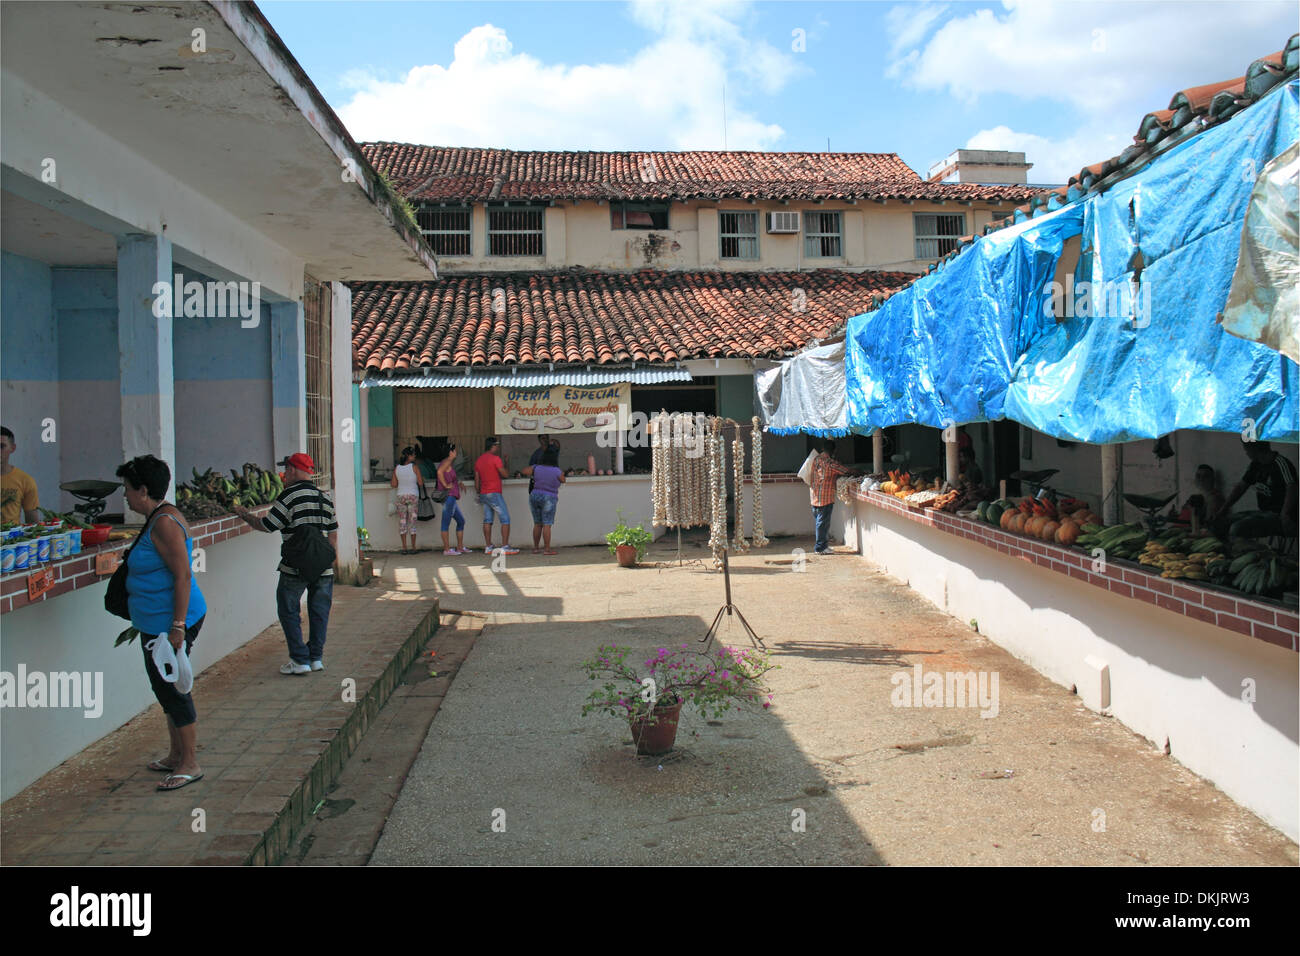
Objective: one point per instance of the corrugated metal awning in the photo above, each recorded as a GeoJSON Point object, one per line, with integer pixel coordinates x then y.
{"type": "Point", "coordinates": [532, 378]}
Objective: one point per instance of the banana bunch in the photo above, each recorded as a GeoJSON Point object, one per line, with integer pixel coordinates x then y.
{"type": "Point", "coordinates": [1260, 571]}
{"type": "Point", "coordinates": [1180, 555]}
{"type": "Point", "coordinates": [211, 494]}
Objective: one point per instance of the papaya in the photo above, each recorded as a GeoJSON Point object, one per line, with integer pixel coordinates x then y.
{"type": "Point", "coordinates": [1047, 531]}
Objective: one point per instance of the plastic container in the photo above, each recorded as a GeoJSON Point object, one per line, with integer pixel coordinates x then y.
{"type": "Point", "coordinates": [44, 551]}
{"type": "Point", "coordinates": [60, 546]}
{"type": "Point", "coordinates": [74, 541]}
{"type": "Point", "coordinates": [96, 535]}
{"type": "Point", "coordinates": [22, 555]}
{"type": "Point", "coordinates": [8, 557]}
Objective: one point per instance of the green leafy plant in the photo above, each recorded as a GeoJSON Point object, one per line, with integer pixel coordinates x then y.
{"type": "Point", "coordinates": [713, 682]}
{"type": "Point", "coordinates": [624, 534]}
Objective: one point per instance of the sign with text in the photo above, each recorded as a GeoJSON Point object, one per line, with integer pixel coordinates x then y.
{"type": "Point", "coordinates": [38, 582]}
{"type": "Point", "coordinates": [562, 408]}
{"type": "Point", "coordinates": [106, 562]}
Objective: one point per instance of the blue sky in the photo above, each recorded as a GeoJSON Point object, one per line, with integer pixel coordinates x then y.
{"type": "Point", "coordinates": [1065, 82]}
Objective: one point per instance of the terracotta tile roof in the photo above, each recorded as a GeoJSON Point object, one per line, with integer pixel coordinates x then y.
{"type": "Point", "coordinates": [447, 174]}
{"type": "Point", "coordinates": [578, 316]}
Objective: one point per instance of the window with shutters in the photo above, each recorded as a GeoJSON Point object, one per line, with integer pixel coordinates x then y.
{"type": "Point", "coordinates": [316, 308]}
{"type": "Point", "coordinates": [445, 228]}
{"type": "Point", "coordinates": [937, 234]}
{"type": "Point", "coordinates": [822, 235]}
{"type": "Point", "coordinates": [738, 232]}
{"type": "Point", "coordinates": [515, 231]}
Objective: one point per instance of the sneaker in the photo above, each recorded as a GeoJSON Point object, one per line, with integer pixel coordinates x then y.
{"type": "Point", "coordinates": [507, 550]}
{"type": "Point", "coordinates": [451, 552]}
{"type": "Point", "coordinates": [465, 550]}
{"type": "Point", "coordinates": [318, 665]}
{"type": "Point", "coordinates": [293, 667]}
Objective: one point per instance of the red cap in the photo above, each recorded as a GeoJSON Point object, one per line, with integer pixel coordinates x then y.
{"type": "Point", "coordinates": [301, 461]}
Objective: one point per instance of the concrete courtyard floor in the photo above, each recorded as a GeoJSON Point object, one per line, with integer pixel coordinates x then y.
{"type": "Point", "coordinates": [510, 771]}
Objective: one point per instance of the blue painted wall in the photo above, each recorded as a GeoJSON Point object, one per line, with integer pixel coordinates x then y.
{"type": "Point", "coordinates": [27, 321]}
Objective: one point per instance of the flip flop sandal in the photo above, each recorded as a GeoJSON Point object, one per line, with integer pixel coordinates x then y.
{"type": "Point", "coordinates": [158, 766]}
{"type": "Point", "coordinates": [180, 776]}
{"type": "Point", "coordinates": [552, 552]}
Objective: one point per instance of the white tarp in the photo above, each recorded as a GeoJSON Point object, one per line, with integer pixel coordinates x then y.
{"type": "Point", "coordinates": [805, 394]}
{"type": "Point", "coordinates": [1263, 303]}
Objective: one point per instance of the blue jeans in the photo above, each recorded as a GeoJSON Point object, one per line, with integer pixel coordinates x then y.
{"type": "Point", "coordinates": [494, 501]}
{"type": "Point", "coordinates": [822, 524]}
{"type": "Point", "coordinates": [543, 507]}
{"type": "Point", "coordinates": [451, 511]}
{"type": "Point", "coordinates": [320, 595]}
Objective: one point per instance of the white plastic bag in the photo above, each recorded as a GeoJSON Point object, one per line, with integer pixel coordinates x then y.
{"type": "Point", "coordinates": [173, 665]}
{"type": "Point", "coordinates": [805, 472]}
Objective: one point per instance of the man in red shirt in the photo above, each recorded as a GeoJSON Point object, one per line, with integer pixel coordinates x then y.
{"type": "Point", "coordinates": [821, 491]}
{"type": "Point", "coordinates": [488, 472]}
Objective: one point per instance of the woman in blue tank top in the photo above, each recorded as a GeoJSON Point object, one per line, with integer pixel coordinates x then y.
{"type": "Point", "coordinates": [166, 604]}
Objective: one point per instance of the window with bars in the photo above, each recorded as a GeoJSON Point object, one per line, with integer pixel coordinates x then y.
{"type": "Point", "coordinates": [937, 234]}
{"type": "Point", "coordinates": [822, 235]}
{"type": "Point", "coordinates": [316, 303]}
{"type": "Point", "coordinates": [738, 232]}
{"type": "Point", "coordinates": [515, 231]}
{"type": "Point", "coordinates": [638, 215]}
{"type": "Point", "coordinates": [446, 228]}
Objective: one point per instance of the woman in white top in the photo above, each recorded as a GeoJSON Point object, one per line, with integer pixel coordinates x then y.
{"type": "Point", "coordinates": [408, 481]}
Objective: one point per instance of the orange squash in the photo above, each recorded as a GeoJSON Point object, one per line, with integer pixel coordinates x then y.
{"type": "Point", "coordinates": [1067, 533]}
{"type": "Point", "coordinates": [1047, 531]}
{"type": "Point", "coordinates": [1079, 515]}
{"type": "Point", "coordinates": [1005, 521]}
{"type": "Point", "coordinates": [1017, 525]}
{"type": "Point", "coordinates": [1091, 518]}
{"type": "Point", "coordinates": [1033, 525]}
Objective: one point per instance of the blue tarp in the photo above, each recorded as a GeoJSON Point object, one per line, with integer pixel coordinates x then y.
{"type": "Point", "coordinates": [943, 351]}
{"type": "Point", "coordinates": [974, 341]}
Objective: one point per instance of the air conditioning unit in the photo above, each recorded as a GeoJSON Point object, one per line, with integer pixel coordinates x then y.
{"type": "Point", "coordinates": [783, 222]}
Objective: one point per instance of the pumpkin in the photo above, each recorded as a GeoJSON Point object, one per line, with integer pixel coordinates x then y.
{"type": "Point", "coordinates": [1067, 533]}
{"type": "Point", "coordinates": [1017, 523]}
{"type": "Point", "coordinates": [1091, 518]}
{"type": "Point", "coordinates": [1048, 530]}
{"type": "Point", "coordinates": [1079, 515]}
{"type": "Point", "coordinates": [1034, 525]}
{"type": "Point", "coordinates": [1004, 522]}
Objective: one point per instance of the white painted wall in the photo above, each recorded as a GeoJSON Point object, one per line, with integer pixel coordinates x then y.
{"type": "Point", "coordinates": [1171, 677]}
{"type": "Point", "coordinates": [74, 632]}
{"type": "Point", "coordinates": [587, 512]}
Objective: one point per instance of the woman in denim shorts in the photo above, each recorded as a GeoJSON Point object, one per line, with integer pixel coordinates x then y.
{"type": "Point", "coordinates": [547, 478]}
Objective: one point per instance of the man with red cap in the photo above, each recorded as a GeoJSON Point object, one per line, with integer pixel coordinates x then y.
{"type": "Point", "coordinates": [300, 504]}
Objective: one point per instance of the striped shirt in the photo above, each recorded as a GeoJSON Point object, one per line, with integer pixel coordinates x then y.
{"type": "Point", "coordinates": [299, 504]}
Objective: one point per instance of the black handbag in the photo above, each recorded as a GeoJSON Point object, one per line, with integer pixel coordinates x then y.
{"type": "Point", "coordinates": [116, 597]}
{"type": "Point", "coordinates": [424, 510]}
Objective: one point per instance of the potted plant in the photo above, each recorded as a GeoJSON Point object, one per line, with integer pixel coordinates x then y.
{"type": "Point", "coordinates": [650, 692]}
{"type": "Point", "coordinates": [628, 543]}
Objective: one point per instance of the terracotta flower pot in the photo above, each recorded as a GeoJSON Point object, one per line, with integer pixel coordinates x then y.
{"type": "Point", "coordinates": [626, 555]}
{"type": "Point", "coordinates": [657, 733]}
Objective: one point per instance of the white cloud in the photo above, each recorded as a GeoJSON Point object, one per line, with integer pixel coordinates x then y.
{"type": "Point", "coordinates": [1100, 57]}
{"type": "Point", "coordinates": [668, 95]}
{"type": "Point", "coordinates": [1054, 160]}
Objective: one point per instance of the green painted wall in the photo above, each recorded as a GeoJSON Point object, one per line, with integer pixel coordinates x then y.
{"type": "Point", "coordinates": [380, 402]}
{"type": "Point", "coordinates": [736, 397]}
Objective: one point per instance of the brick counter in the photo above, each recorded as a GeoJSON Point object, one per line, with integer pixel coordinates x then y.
{"type": "Point", "coordinates": [1261, 620]}
{"type": "Point", "coordinates": [78, 571]}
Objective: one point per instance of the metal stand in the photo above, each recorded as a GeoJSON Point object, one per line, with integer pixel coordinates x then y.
{"type": "Point", "coordinates": [730, 609]}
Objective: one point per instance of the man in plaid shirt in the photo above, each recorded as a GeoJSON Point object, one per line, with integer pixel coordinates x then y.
{"type": "Point", "coordinates": [821, 490]}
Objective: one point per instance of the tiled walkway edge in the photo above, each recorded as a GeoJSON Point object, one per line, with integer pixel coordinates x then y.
{"type": "Point", "coordinates": [298, 809]}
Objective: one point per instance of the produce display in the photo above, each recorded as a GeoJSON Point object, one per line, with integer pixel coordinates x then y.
{"type": "Point", "coordinates": [213, 495]}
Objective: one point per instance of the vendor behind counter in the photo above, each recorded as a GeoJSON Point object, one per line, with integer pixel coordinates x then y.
{"type": "Point", "coordinates": [19, 500]}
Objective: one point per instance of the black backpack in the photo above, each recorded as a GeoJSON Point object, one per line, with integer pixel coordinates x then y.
{"type": "Point", "coordinates": [307, 552]}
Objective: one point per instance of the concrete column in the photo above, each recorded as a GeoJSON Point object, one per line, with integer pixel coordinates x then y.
{"type": "Point", "coordinates": [952, 468]}
{"type": "Point", "coordinates": [878, 452]}
{"type": "Point", "coordinates": [1112, 488]}
{"type": "Point", "coordinates": [144, 346]}
{"type": "Point", "coordinates": [346, 441]}
{"type": "Point", "coordinates": [288, 379]}
{"type": "Point", "coordinates": [364, 425]}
